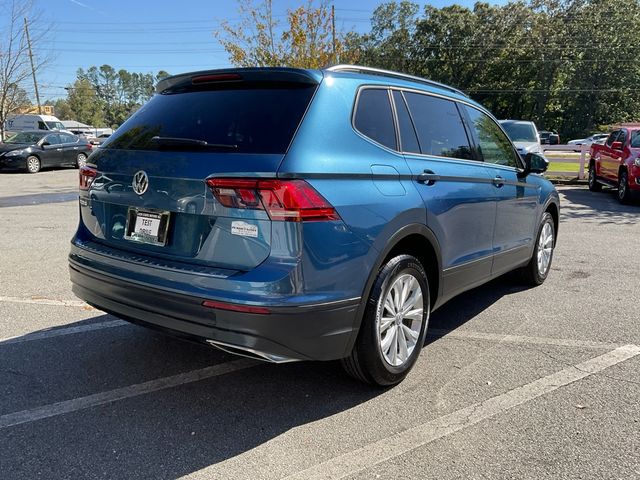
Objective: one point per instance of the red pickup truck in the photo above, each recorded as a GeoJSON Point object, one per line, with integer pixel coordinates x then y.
{"type": "Point", "coordinates": [617, 163]}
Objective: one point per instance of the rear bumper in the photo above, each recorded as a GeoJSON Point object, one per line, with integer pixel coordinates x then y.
{"type": "Point", "coordinates": [303, 332]}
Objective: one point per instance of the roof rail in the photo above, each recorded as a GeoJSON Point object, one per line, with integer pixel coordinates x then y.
{"type": "Point", "coordinates": [389, 73]}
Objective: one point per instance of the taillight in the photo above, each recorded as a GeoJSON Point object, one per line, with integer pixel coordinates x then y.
{"type": "Point", "coordinates": [87, 175]}
{"type": "Point", "coordinates": [287, 200]}
{"type": "Point", "coordinates": [89, 146]}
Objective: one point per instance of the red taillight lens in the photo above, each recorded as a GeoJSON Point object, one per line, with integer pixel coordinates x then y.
{"type": "Point", "coordinates": [87, 175]}
{"type": "Point", "coordinates": [287, 200]}
{"type": "Point", "coordinates": [89, 146]}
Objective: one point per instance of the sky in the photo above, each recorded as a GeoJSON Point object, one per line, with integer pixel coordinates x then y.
{"type": "Point", "coordinates": [148, 36]}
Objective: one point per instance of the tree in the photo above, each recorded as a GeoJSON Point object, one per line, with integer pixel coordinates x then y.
{"type": "Point", "coordinates": [15, 68]}
{"type": "Point", "coordinates": [118, 93]}
{"type": "Point", "coordinates": [306, 41]}
{"type": "Point", "coordinates": [569, 65]}
{"type": "Point", "coordinates": [84, 104]}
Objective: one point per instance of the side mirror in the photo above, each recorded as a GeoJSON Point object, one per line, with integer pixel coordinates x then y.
{"type": "Point", "coordinates": [534, 163]}
{"type": "Point", "coordinates": [45, 144]}
{"type": "Point", "coordinates": [616, 146]}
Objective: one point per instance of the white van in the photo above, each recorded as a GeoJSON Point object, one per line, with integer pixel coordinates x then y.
{"type": "Point", "coordinates": [21, 123]}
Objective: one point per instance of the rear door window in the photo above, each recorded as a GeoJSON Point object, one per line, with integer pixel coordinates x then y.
{"type": "Point", "coordinates": [439, 126]}
{"type": "Point", "coordinates": [408, 139]}
{"type": "Point", "coordinates": [374, 118]}
{"type": "Point", "coordinates": [635, 139]}
{"type": "Point", "coordinates": [251, 118]}
{"type": "Point", "coordinates": [493, 144]}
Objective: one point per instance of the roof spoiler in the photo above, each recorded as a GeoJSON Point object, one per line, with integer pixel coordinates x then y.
{"type": "Point", "coordinates": [231, 75]}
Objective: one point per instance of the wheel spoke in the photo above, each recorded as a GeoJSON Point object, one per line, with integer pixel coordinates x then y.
{"type": "Point", "coordinates": [414, 315]}
{"type": "Point", "coordinates": [410, 334]}
{"type": "Point", "coordinates": [385, 322]}
{"type": "Point", "coordinates": [387, 340]}
{"type": "Point", "coordinates": [402, 341]}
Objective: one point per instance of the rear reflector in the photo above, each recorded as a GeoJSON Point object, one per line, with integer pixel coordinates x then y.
{"type": "Point", "coordinates": [286, 200]}
{"type": "Point", "coordinates": [234, 307]}
{"type": "Point", "coordinates": [218, 77]}
{"type": "Point", "coordinates": [87, 175]}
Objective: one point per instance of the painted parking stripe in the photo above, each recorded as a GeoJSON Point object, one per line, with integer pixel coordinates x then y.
{"type": "Point", "coordinates": [500, 338]}
{"type": "Point", "coordinates": [81, 403]}
{"type": "Point", "coordinates": [58, 332]}
{"type": "Point", "coordinates": [47, 301]}
{"type": "Point", "coordinates": [383, 450]}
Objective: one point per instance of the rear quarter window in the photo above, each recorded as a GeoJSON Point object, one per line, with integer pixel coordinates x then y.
{"type": "Point", "coordinates": [252, 118]}
{"type": "Point", "coordinates": [374, 118]}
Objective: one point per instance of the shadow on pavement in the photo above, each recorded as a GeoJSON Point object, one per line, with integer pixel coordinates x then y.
{"type": "Point", "coordinates": [164, 434]}
{"type": "Point", "coordinates": [601, 207]}
{"type": "Point", "coordinates": [173, 432]}
{"type": "Point", "coordinates": [468, 305]}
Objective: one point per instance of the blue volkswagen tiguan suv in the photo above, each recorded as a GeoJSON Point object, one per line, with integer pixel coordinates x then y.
{"type": "Point", "coordinates": [289, 214]}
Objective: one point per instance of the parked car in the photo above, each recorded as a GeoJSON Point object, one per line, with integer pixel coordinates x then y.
{"type": "Point", "coordinates": [595, 138]}
{"type": "Point", "coordinates": [524, 135]}
{"type": "Point", "coordinates": [616, 163]}
{"type": "Point", "coordinates": [34, 150]}
{"type": "Point", "coordinates": [339, 208]}
{"type": "Point", "coordinates": [549, 138]}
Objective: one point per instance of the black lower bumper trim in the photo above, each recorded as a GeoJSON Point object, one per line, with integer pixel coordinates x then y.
{"type": "Point", "coordinates": [321, 332]}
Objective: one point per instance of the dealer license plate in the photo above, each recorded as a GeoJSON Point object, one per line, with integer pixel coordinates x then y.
{"type": "Point", "coordinates": [147, 226]}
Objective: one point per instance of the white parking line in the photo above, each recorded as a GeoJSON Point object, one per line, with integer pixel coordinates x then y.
{"type": "Point", "coordinates": [47, 301]}
{"type": "Point", "coordinates": [383, 450]}
{"type": "Point", "coordinates": [57, 332]}
{"type": "Point", "coordinates": [496, 337]}
{"type": "Point", "coordinates": [68, 406]}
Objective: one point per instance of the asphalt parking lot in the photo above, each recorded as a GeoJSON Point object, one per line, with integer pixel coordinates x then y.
{"type": "Point", "coordinates": [512, 383]}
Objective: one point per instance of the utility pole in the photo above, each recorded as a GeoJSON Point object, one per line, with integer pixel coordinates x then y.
{"type": "Point", "coordinates": [33, 70]}
{"type": "Point", "coordinates": [333, 32]}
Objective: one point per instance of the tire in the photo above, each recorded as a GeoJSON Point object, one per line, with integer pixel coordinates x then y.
{"type": "Point", "coordinates": [81, 160]}
{"type": "Point", "coordinates": [33, 164]}
{"type": "Point", "coordinates": [624, 192]}
{"type": "Point", "coordinates": [537, 270]}
{"type": "Point", "coordinates": [378, 356]}
{"type": "Point", "coordinates": [594, 186]}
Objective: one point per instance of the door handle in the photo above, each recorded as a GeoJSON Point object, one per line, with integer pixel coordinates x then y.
{"type": "Point", "coordinates": [498, 181]}
{"type": "Point", "coordinates": [428, 177]}
{"type": "Point", "coordinates": [58, 149]}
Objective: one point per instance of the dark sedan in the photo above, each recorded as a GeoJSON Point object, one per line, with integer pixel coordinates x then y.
{"type": "Point", "coordinates": [34, 150]}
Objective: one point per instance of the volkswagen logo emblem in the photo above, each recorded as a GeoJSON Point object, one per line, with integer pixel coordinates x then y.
{"type": "Point", "coordinates": [140, 182]}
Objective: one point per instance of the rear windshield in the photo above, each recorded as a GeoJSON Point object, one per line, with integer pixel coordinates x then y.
{"type": "Point", "coordinates": [250, 119]}
{"type": "Point", "coordinates": [520, 132]}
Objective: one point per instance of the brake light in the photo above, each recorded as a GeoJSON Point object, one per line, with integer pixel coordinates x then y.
{"type": "Point", "coordinates": [218, 77]}
{"type": "Point", "coordinates": [87, 175]}
{"type": "Point", "coordinates": [89, 146]}
{"type": "Point", "coordinates": [286, 200]}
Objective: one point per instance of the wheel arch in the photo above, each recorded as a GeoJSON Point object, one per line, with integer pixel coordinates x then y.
{"type": "Point", "coordinates": [413, 239]}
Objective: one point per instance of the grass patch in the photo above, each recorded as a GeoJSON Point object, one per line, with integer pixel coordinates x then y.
{"type": "Point", "coordinates": [564, 167]}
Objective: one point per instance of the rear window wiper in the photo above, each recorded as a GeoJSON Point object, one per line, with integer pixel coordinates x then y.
{"type": "Point", "coordinates": [189, 143]}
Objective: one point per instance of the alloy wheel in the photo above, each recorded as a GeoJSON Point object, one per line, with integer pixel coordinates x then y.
{"type": "Point", "coordinates": [399, 321]}
{"type": "Point", "coordinates": [545, 248]}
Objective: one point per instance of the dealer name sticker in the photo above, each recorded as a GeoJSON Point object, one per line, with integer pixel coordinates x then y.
{"type": "Point", "coordinates": [244, 229]}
